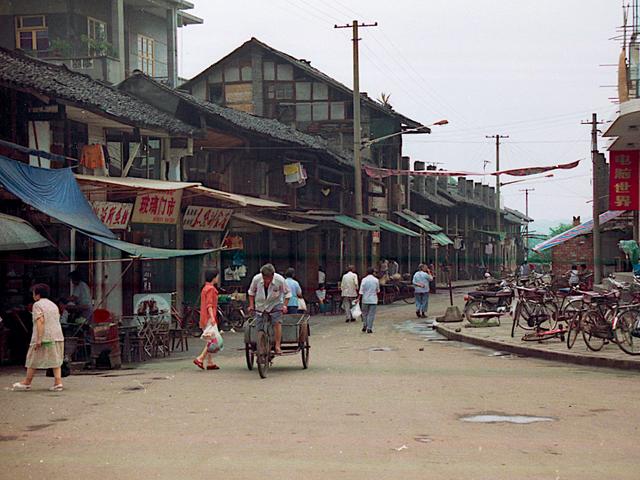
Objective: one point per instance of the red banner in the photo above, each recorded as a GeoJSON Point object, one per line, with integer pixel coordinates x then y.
{"type": "Point", "coordinates": [624, 179]}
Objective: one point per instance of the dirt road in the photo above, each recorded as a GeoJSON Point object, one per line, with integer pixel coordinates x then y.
{"type": "Point", "coordinates": [384, 406]}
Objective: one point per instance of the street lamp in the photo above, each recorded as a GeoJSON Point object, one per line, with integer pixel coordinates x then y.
{"type": "Point", "coordinates": [368, 143]}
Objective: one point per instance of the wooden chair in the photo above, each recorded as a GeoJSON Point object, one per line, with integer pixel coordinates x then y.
{"type": "Point", "coordinates": [179, 336]}
{"type": "Point", "coordinates": [161, 341]}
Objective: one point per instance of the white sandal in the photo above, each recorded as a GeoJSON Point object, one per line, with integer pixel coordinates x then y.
{"type": "Point", "coordinates": [20, 387]}
{"type": "Point", "coordinates": [56, 388]}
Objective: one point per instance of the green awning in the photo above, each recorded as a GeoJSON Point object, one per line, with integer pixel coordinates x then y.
{"type": "Point", "coordinates": [500, 235]}
{"type": "Point", "coordinates": [351, 222]}
{"type": "Point", "coordinates": [441, 239]}
{"type": "Point", "coordinates": [391, 227]}
{"type": "Point", "coordinates": [18, 234]}
{"type": "Point", "coordinates": [151, 253]}
{"type": "Point", "coordinates": [419, 221]}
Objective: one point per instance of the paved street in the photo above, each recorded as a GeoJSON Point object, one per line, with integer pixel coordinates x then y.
{"type": "Point", "coordinates": [357, 413]}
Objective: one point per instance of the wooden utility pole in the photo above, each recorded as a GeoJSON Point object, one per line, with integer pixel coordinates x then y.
{"type": "Point", "coordinates": [498, 227]}
{"type": "Point", "coordinates": [526, 227]}
{"type": "Point", "coordinates": [357, 141]}
{"type": "Point", "coordinates": [597, 260]}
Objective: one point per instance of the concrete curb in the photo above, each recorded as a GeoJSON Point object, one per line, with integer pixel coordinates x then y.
{"type": "Point", "coordinates": [565, 357]}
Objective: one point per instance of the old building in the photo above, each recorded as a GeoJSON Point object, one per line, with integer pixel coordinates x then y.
{"type": "Point", "coordinates": [106, 39]}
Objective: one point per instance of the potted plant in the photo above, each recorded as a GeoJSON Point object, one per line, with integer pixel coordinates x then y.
{"type": "Point", "coordinates": [61, 47]}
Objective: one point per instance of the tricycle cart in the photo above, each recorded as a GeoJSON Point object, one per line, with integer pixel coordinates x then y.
{"type": "Point", "coordinates": [295, 339]}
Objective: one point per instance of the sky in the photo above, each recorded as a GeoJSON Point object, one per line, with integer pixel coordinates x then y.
{"type": "Point", "coordinates": [529, 70]}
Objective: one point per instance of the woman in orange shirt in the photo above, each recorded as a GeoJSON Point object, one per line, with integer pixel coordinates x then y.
{"type": "Point", "coordinates": [208, 315]}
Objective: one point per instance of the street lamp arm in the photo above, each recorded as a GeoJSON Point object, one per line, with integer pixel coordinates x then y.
{"type": "Point", "coordinates": [368, 143]}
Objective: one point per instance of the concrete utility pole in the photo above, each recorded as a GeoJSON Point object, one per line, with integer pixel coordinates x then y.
{"type": "Point", "coordinates": [498, 227]}
{"type": "Point", "coordinates": [526, 227]}
{"type": "Point", "coordinates": [597, 260]}
{"type": "Point", "coordinates": [357, 141]}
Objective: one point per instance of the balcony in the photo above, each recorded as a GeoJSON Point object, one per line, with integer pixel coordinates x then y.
{"type": "Point", "coordinates": [105, 68]}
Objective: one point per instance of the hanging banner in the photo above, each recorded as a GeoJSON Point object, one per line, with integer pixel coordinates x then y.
{"type": "Point", "coordinates": [114, 215]}
{"type": "Point", "coordinates": [623, 180]}
{"type": "Point", "coordinates": [206, 218]}
{"type": "Point", "coordinates": [374, 172]}
{"type": "Point", "coordinates": [157, 207]}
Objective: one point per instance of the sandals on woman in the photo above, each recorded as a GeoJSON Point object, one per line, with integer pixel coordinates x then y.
{"type": "Point", "coordinates": [213, 367]}
{"type": "Point", "coordinates": [198, 364]}
{"type": "Point", "coordinates": [20, 387]}
{"type": "Point", "coordinates": [56, 388]}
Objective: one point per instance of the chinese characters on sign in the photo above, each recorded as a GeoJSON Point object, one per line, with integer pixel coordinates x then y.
{"type": "Point", "coordinates": [157, 207]}
{"type": "Point", "coordinates": [623, 180]}
{"type": "Point", "coordinates": [114, 215]}
{"type": "Point", "coordinates": [205, 218]}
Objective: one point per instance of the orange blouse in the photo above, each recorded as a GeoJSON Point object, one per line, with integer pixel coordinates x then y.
{"type": "Point", "coordinates": [208, 298]}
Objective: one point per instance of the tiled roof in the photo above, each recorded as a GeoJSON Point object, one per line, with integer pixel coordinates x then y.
{"type": "Point", "coordinates": [435, 199]}
{"type": "Point", "coordinates": [20, 71]}
{"type": "Point", "coordinates": [266, 127]}
{"type": "Point", "coordinates": [314, 72]}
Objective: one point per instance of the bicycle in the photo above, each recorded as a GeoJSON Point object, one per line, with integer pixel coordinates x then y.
{"type": "Point", "coordinates": [535, 310]}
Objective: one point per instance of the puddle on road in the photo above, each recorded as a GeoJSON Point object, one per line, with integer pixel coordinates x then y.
{"type": "Point", "coordinates": [422, 329]}
{"type": "Point", "coordinates": [500, 418]}
{"type": "Point", "coordinates": [381, 349]}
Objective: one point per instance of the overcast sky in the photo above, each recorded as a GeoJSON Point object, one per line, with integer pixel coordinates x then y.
{"type": "Point", "coordinates": [529, 70]}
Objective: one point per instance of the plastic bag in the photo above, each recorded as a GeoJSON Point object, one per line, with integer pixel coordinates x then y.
{"type": "Point", "coordinates": [356, 311]}
{"type": "Point", "coordinates": [215, 343]}
{"type": "Point", "coordinates": [302, 305]}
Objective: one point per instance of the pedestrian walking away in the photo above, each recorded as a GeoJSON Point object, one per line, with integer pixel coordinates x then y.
{"type": "Point", "coordinates": [349, 291]}
{"type": "Point", "coordinates": [46, 349]}
{"type": "Point", "coordinates": [421, 282]}
{"type": "Point", "coordinates": [296, 291]}
{"type": "Point", "coordinates": [369, 289]}
{"type": "Point", "coordinates": [269, 293]}
{"type": "Point", "coordinates": [208, 317]}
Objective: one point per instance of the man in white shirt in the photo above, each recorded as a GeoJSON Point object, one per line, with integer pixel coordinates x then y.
{"type": "Point", "coordinates": [369, 289]}
{"type": "Point", "coordinates": [81, 296]}
{"type": "Point", "coordinates": [349, 291]}
{"type": "Point", "coordinates": [269, 293]}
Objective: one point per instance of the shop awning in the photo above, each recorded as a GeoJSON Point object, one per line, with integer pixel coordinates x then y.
{"type": "Point", "coordinates": [581, 229]}
{"type": "Point", "coordinates": [274, 223]}
{"type": "Point", "coordinates": [235, 198]}
{"type": "Point", "coordinates": [53, 192]}
{"type": "Point", "coordinates": [391, 227]}
{"type": "Point", "coordinates": [441, 239]}
{"type": "Point", "coordinates": [152, 253]}
{"type": "Point", "coordinates": [132, 183]}
{"type": "Point", "coordinates": [354, 223]}
{"type": "Point", "coordinates": [18, 234]}
{"type": "Point", "coordinates": [419, 221]}
{"type": "Point", "coordinates": [493, 233]}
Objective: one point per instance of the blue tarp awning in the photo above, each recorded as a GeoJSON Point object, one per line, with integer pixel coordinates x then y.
{"type": "Point", "coordinates": [53, 192]}
{"type": "Point", "coordinates": [57, 194]}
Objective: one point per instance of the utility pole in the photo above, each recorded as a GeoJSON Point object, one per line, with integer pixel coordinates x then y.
{"type": "Point", "coordinates": [526, 227]}
{"type": "Point", "coordinates": [357, 140]}
{"type": "Point", "coordinates": [597, 261]}
{"type": "Point", "coordinates": [498, 227]}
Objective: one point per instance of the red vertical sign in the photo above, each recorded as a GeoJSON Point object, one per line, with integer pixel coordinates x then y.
{"type": "Point", "coordinates": [624, 179]}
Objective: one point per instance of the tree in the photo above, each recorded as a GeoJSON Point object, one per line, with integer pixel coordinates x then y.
{"type": "Point", "coordinates": [545, 256]}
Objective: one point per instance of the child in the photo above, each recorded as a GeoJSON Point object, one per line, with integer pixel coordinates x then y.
{"type": "Point", "coordinates": [208, 316]}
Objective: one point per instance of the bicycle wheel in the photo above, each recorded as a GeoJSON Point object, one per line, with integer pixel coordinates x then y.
{"type": "Point", "coordinates": [627, 333]}
{"type": "Point", "coordinates": [548, 316]}
{"type": "Point", "coordinates": [589, 326]}
{"type": "Point", "coordinates": [524, 316]}
{"type": "Point", "coordinates": [573, 329]}
{"type": "Point", "coordinates": [304, 348]}
{"type": "Point", "coordinates": [193, 323]}
{"type": "Point", "coordinates": [262, 359]}
{"type": "Point", "coordinates": [249, 356]}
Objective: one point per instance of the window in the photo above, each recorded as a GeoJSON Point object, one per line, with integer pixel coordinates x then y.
{"type": "Point", "coordinates": [337, 111]}
{"type": "Point", "coordinates": [97, 35]}
{"type": "Point", "coordinates": [303, 112]}
{"type": "Point", "coordinates": [146, 55]}
{"type": "Point", "coordinates": [247, 73]}
{"type": "Point", "coordinates": [320, 111]}
{"type": "Point", "coordinates": [232, 74]}
{"type": "Point", "coordinates": [286, 114]}
{"type": "Point", "coordinates": [303, 90]}
{"type": "Point", "coordinates": [284, 91]}
{"type": "Point", "coordinates": [32, 33]}
{"type": "Point", "coordinates": [285, 72]}
{"type": "Point", "coordinates": [320, 91]}
{"type": "Point", "coordinates": [269, 69]}
{"type": "Point", "coordinates": [216, 93]}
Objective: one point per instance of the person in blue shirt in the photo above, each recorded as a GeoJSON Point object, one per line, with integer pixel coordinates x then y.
{"type": "Point", "coordinates": [296, 291]}
{"type": "Point", "coordinates": [421, 280]}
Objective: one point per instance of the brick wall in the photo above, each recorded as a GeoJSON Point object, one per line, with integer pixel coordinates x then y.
{"type": "Point", "coordinates": [572, 252]}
